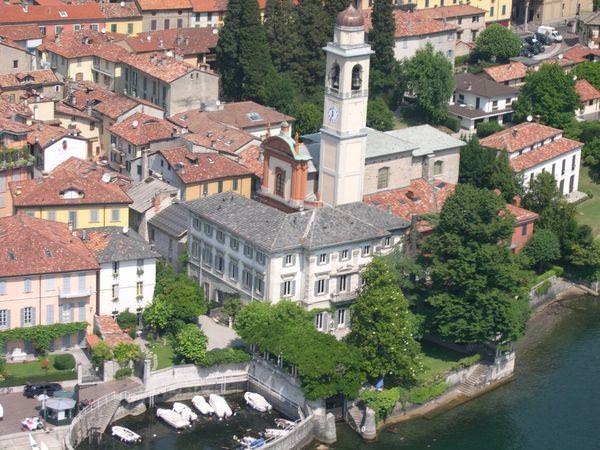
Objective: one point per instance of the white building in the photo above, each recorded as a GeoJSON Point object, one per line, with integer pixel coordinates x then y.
{"type": "Point", "coordinates": [590, 101]}
{"type": "Point", "coordinates": [240, 247]}
{"type": "Point", "coordinates": [534, 148]}
{"type": "Point", "coordinates": [478, 99]}
{"type": "Point", "coordinates": [53, 145]}
{"type": "Point", "coordinates": [127, 269]}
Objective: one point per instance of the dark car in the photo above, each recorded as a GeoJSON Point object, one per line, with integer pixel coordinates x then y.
{"type": "Point", "coordinates": [544, 39]}
{"type": "Point", "coordinates": [526, 53]}
{"type": "Point", "coordinates": [33, 390]}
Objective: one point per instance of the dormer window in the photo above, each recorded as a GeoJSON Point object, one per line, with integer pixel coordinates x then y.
{"type": "Point", "coordinates": [71, 194]}
{"type": "Point", "coordinates": [357, 77]}
{"type": "Point", "coordinates": [334, 77]}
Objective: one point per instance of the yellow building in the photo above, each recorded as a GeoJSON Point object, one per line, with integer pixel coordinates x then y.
{"type": "Point", "coordinates": [122, 17]}
{"type": "Point", "coordinates": [496, 10]}
{"type": "Point", "coordinates": [75, 192]}
{"type": "Point", "coordinates": [198, 175]}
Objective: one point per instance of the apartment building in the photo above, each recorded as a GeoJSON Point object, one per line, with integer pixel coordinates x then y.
{"type": "Point", "coordinates": [168, 231]}
{"type": "Point", "coordinates": [511, 74]}
{"type": "Point", "coordinates": [161, 15]}
{"type": "Point", "coordinates": [590, 101]}
{"type": "Point", "coordinates": [15, 160]}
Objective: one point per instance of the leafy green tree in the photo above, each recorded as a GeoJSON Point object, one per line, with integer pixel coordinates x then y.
{"type": "Point", "coordinates": [159, 314]}
{"type": "Point", "coordinates": [309, 117]}
{"type": "Point", "coordinates": [504, 178]}
{"type": "Point", "coordinates": [100, 353]}
{"type": "Point", "coordinates": [126, 352]}
{"type": "Point", "coordinates": [486, 128]}
{"type": "Point", "coordinates": [430, 78]}
{"type": "Point", "coordinates": [477, 291]}
{"type": "Point", "coordinates": [127, 319]}
{"type": "Point", "coordinates": [227, 52]}
{"type": "Point", "coordinates": [589, 71]}
{"type": "Point", "coordinates": [232, 308]}
{"type": "Point", "coordinates": [542, 248]}
{"type": "Point", "coordinates": [383, 328]}
{"type": "Point", "coordinates": [497, 44]}
{"type": "Point", "coordinates": [281, 27]}
{"type": "Point", "coordinates": [379, 115]}
{"type": "Point", "coordinates": [549, 93]}
{"type": "Point", "coordinates": [190, 345]}
{"type": "Point", "coordinates": [183, 294]}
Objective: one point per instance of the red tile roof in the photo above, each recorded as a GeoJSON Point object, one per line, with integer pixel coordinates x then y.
{"type": "Point", "coordinates": [160, 66]}
{"type": "Point", "coordinates": [102, 100]}
{"type": "Point", "coordinates": [410, 24]}
{"type": "Point", "coordinates": [586, 91]}
{"type": "Point", "coordinates": [580, 52]}
{"type": "Point", "coordinates": [521, 214]}
{"type": "Point", "coordinates": [252, 158]}
{"type": "Point", "coordinates": [448, 12]}
{"type": "Point", "coordinates": [21, 32]}
{"type": "Point", "coordinates": [140, 129]}
{"type": "Point", "coordinates": [44, 135]}
{"type": "Point", "coordinates": [544, 153]}
{"type": "Point", "coordinates": [13, 127]}
{"type": "Point", "coordinates": [24, 79]}
{"type": "Point", "coordinates": [157, 5]}
{"type": "Point", "coordinates": [506, 72]}
{"type": "Point", "coordinates": [238, 114]}
{"type": "Point", "coordinates": [199, 167]}
{"type": "Point", "coordinates": [110, 331]}
{"type": "Point", "coordinates": [30, 246]}
{"type": "Point", "coordinates": [212, 5]}
{"type": "Point", "coordinates": [77, 44]}
{"type": "Point", "coordinates": [73, 174]}
{"type": "Point", "coordinates": [10, 14]}
{"type": "Point", "coordinates": [8, 109]}
{"type": "Point", "coordinates": [520, 136]}
{"type": "Point", "coordinates": [185, 41]}
{"type": "Point", "coordinates": [120, 10]}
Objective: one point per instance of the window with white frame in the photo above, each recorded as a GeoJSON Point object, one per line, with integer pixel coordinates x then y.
{"type": "Point", "coordinates": [27, 284]}
{"type": "Point", "coordinates": [94, 216]}
{"type": "Point", "coordinates": [233, 270]}
{"type": "Point", "coordinates": [2, 287]}
{"type": "Point", "coordinates": [319, 321]}
{"type": "Point", "coordinates": [323, 258]}
{"type": "Point", "coordinates": [343, 283]}
{"type": "Point", "coordinates": [4, 318]}
{"type": "Point", "coordinates": [387, 241]}
{"type": "Point", "coordinates": [234, 244]}
{"type": "Point", "coordinates": [115, 268]}
{"type": "Point", "coordinates": [207, 256]}
{"type": "Point", "coordinates": [28, 316]}
{"type": "Point", "coordinates": [288, 260]}
{"type": "Point", "coordinates": [366, 250]}
{"type": "Point", "coordinates": [248, 251]}
{"type": "Point", "coordinates": [344, 255]}
{"type": "Point", "coordinates": [207, 229]}
{"type": "Point", "coordinates": [288, 288]}
{"type": "Point", "coordinates": [259, 285]}
{"type": "Point", "coordinates": [139, 289]}
{"type": "Point", "coordinates": [115, 215]}
{"type": "Point", "coordinates": [196, 224]}
{"type": "Point", "coordinates": [247, 278]}
{"type": "Point", "coordinates": [115, 291]}
{"type": "Point", "coordinates": [321, 286]}
{"type": "Point", "coordinates": [341, 317]}
{"type": "Point", "coordinates": [65, 313]}
{"type": "Point", "coordinates": [219, 262]}
{"type": "Point", "coordinates": [220, 236]}
{"type": "Point", "coordinates": [261, 258]}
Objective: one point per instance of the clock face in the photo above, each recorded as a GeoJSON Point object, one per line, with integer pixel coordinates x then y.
{"type": "Point", "coordinates": [332, 114]}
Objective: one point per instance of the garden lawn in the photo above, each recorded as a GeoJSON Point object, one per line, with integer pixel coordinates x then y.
{"type": "Point", "coordinates": [164, 353]}
{"type": "Point", "coordinates": [32, 369]}
{"type": "Point", "coordinates": [588, 211]}
{"type": "Point", "coordinates": [438, 360]}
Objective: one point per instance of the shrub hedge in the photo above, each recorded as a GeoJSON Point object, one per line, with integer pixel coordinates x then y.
{"type": "Point", "coordinates": [123, 372]}
{"type": "Point", "coordinates": [63, 375]}
{"type": "Point", "coordinates": [225, 356]}
{"type": "Point", "coordinates": [64, 362]}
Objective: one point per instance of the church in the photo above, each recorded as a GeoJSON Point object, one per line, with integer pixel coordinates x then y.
{"type": "Point", "coordinates": [407, 171]}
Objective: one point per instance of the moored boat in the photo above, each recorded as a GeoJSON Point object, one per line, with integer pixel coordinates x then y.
{"type": "Point", "coordinates": [185, 411]}
{"type": "Point", "coordinates": [125, 435]}
{"type": "Point", "coordinates": [257, 401]}
{"type": "Point", "coordinates": [283, 423]}
{"type": "Point", "coordinates": [219, 404]}
{"type": "Point", "coordinates": [249, 442]}
{"type": "Point", "coordinates": [275, 432]}
{"type": "Point", "coordinates": [202, 405]}
{"type": "Point", "coordinates": [177, 421]}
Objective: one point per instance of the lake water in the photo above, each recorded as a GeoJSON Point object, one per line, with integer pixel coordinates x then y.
{"type": "Point", "coordinates": [553, 403]}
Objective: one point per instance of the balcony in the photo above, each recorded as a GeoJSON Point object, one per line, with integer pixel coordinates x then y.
{"type": "Point", "coordinates": [343, 297]}
{"type": "Point", "coordinates": [75, 293]}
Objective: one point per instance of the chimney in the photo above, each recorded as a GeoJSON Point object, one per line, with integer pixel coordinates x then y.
{"type": "Point", "coordinates": [285, 128]}
{"type": "Point", "coordinates": [469, 86]}
{"type": "Point", "coordinates": [515, 132]}
{"type": "Point", "coordinates": [537, 118]}
{"type": "Point", "coordinates": [517, 201]}
{"type": "Point", "coordinates": [84, 235]}
{"type": "Point", "coordinates": [156, 204]}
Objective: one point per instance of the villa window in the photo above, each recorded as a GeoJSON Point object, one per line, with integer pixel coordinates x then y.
{"type": "Point", "coordinates": [207, 229]}
{"type": "Point", "coordinates": [288, 288]}
{"type": "Point", "coordinates": [383, 177]}
{"type": "Point", "coordinates": [574, 162]}
{"type": "Point", "coordinates": [4, 318]}
{"type": "Point", "coordinates": [115, 215]}
{"type": "Point", "coordinates": [2, 287]}
{"type": "Point", "coordinates": [323, 258]}
{"type": "Point", "coordinates": [288, 260]}
{"type": "Point", "coordinates": [248, 251]}
{"type": "Point", "coordinates": [279, 182]}
{"type": "Point", "coordinates": [343, 283]}
{"type": "Point", "coordinates": [366, 251]}
{"type": "Point", "coordinates": [28, 316]}
{"type": "Point", "coordinates": [344, 255]}
{"type": "Point", "coordinates": [234, 244]}
{"type": "Point", "coordinates": [261, 258]}
{"type": "Point", "coordinates": [321, 286]}
{"type": "Point", "coordinates": [233, 270]}
{"type": "Point", "coordinates": [259, 285]}
{"type": "Point", "coordinates": [437, 167]}
{"type": "Point", "coordinates": [27, 284]}
{"type": "Point", "coordinates": [341, 317]}
{"type": "Point", "coordinates": [319, 321]}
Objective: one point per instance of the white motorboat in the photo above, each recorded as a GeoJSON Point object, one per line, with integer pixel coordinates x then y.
{"type": "Point", "coordinates": [125, 435]}
{"type": "Point", "coordinates": [275, 432]}
{"type": "Point", "coordinates": [257, 401]}
{"type": "Point", "coordinates": [185, 411]}
{"type": "Point", "coordinates": [219, 404]}
{"type": "Point", "coordinates": [202, 405]}
{"type": "Point", "coordinates": [250, 442]}
{"type": "Point", "coordinates": [283, 423]}
{"type": "Point", "coordinates": [177, 421]}
{"type": "Point", "coordinates": [34, 445]}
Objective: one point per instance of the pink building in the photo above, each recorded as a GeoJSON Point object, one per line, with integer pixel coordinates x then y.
{"type": "Point", "coordinates": [47, 276]}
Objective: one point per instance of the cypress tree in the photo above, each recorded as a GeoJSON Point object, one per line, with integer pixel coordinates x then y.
{"type": "Point", "coordinates": [381, 36]}
{"type": "Point", "coordinates": [333, 7]}
{"type": "Point", "coordinates": [227, 53]}
{"type": "Point", "coordinates": [281, 26]}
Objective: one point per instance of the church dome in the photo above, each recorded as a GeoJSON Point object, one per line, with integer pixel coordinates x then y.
{"type": "Point", "coordinates": [350, 17]}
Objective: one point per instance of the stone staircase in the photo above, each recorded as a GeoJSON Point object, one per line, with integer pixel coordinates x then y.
{"type": "Point", "coordinates": [354, 417]}
{"type": "Point", "coordinates": [471, 385]}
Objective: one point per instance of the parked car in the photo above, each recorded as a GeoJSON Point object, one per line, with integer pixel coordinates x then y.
{"type": "Point", "coordinates": [551, 32]}
{"type": "Point", "coordinates": [33, 390]}
{"type": "Point", "coordinates": [525, 52]}
{"type": "Point", "coordinates": [543, 38]}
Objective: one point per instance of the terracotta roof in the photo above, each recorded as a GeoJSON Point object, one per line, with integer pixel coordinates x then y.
{"type": "Point", "coordinates": [34, 77]}
{"type": "Point", "coordinates": [140, 129]}
{"type": "Point", "coordinates": [482, 86]}
{"type": "Point", "coordinates": [10, 14]}
{"type": "Point", "coordinates": [8, 109]}
{"type": "Point", "coordinates": [586, 91]}
{"type": "Point", "coordinates": [198, 167]}
{"type": "Point", "coordinates": [21, 32]}
{"type": "Point", "coordinates": [44, 135]}
{"type": "Point", "coordinates": [77, 44]}
{"type": "Point", "coordinates": [417, 198]}
{"type": "Point", "coordinates": [580, 52]}
{"type": "Point", "coordinates": [211, 5]}
{"type": "Point", "coordinates": [92, 340]}
{"type": "Point", "coordinates": [252, 158]}
{"type": "Point", "coordinates": [156, 5]}
{"type": "Point", "coordinates": [13, 127]}
{"type": "Point", "coordinates": [506, 72]}
{"type": "Point", "coordinates": [544, 153]}
{"type": "Point", "coordinates": [521, 214]}
{"type": "Point", "coordinates": [186, 41]}
{"type": "Point", "coordinates": [247, 115]}
{"type": "Point", "coordinates": [520, 136]}
{"type": "Point", "coordinates": [160, 66]}
{"type": "Point", "coordinates": [102, 100]}
{"type": "Point", "coordinates": [447, 12]}
{"type": "Point", "coordinates": [31, 246]}
{"type": "Point", "coordinates": [9, 43]}
{"type": "Point", "coordinates": [120, 10]}
{"type": "Point", "coordinates": [68, 110]}
{"type": "Point", "coordinates": [110, 331]}
{"type": "Point", "coordinates": [410, 24]}
{"type": "Point", "coordinates": [73, 174]}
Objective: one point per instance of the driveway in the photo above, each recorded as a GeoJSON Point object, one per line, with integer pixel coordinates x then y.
{"type": "Point", "coordinates": [219, 336]}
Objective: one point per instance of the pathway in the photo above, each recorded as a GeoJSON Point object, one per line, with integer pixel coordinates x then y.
{"type": "Point", "coordinates": [219, 336]}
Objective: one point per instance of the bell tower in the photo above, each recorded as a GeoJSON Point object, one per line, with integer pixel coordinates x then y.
{"type": "Point", "coordinates": [343, 135]}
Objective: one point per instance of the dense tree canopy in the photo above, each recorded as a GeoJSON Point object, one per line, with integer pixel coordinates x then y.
{"type": "Point", "coordinates": [542, 248]}
{"type": "Point", "coordinates": [497, 43]}
{"type": "Point", "coordinates": [477, 285]}
{"type": "Point", "coordinates": [281, 26]}
{"type": "Point", "coordinates": [549, 93]}
{"type": "Point", "coordinates": [589, 71]}
{"type": "Point", "coordinates": [190, 344]}
{"type": "Point", "coordinates": [325, 365]}
{"type": "Point", "coordinates": [379, 115]}
{"type": "Point", "coordinates": [383, 328]}
{"type": "Point", "coordinates": [430, 78]}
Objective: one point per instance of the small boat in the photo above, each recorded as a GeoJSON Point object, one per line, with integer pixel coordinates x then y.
{"type": "Point", "coordinates": [185, 411]}
{"type": "Point", "coordinates": [202, 405]}
{"type": "Point", "coordinates": [250, 442]}
{"type": "Point", "coordinates": [177, 421]}
{"type": "Point", "coordinates": [219, 404]}
{"type": "Point", "coordinates": [125, 435]}
{"type": "Point", "coordinates": [257, 401]}
{"type": "Point", "coordinates": [32, 423]}
{"type": "Point", "coordinates": [34, 445]}
{"type": "Point", "coordinates": [283, 423]}
{"type": "Point", "coordinates": [275, 432]}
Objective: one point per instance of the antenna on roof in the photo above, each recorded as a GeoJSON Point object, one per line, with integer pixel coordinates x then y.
{"type": "Point", "coordinates": [529, 118]}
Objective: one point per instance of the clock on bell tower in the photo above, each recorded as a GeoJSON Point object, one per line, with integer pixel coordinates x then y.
{"type": "Point", "coordinates": [343, 136]}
